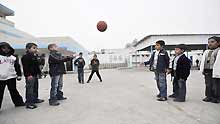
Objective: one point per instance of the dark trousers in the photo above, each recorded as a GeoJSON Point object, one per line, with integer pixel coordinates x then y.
{"type": "Point", "coordinates": [179, 88]}
{"type": "Point", "coordinates": [15, 96]}
{"type": "Point", "coordinates": [81, 75]}
{"type": "Point", "coordinates": [209, 83]}
{"type": "Point", "coordinates": [216, 88]}
{"type": "Point", "coordinates": [97, 73]}
{"type": "Point", "coordinates": [31, 90]}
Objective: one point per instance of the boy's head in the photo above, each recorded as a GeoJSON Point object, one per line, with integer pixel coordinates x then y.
{"type": "Point", "coordinates": [180, 49]}
{"type": "Point", "coordinates": [31, 48]}
{"type": "Point", "coordinates": [159, 45]}
{"type": "Point", "coordinates": [80, 54]}
{"type": "Point", "coordinates": [95, 56]}
{"type": "Point", "coordinates": [52, 47]}
{"type": "Point", "coordinates": [213, 42]}
{"type": "Point", "coordinates": [6, 49]}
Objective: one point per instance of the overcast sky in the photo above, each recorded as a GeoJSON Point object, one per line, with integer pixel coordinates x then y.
{"type": "Point", "coordinates": [126, 19]}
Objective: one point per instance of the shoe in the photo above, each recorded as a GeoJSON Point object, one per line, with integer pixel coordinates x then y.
{"type": "Point", "coordinates": [178, 100]}
{"type": "Point", "coordinates": [214, 101]}
{"type": "Point", "coordinates": [172, 96]}
{"type": "Point", "coordinates": [162, 99]}
{"type": "Point", "coordinates": [20, 105]}
{"type": "Point", "coordinates": [39, 101]}
{"type": "Point", "coordinates": [207, 99]}
{"type": "Point", "coordinates": [158, 95]}
{"type": "Point", "coordinates": [55, 103]}
{"type": "Point", "coordinates": [87, 81]}
{"type": "Point", "coordinates": [31, 106]}
{"type": "Point", "coordinates": [100, 80]}
{"type": "Point", "coordinates": [62, 98]}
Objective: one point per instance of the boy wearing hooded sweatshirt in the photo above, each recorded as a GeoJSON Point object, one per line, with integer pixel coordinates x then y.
{"type": "Point", "coordinates": [10, 71]}
{"type": "Point", "coordinates": [211, 70]}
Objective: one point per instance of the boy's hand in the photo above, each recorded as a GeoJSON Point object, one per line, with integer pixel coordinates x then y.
{"type": "Point", "coordinates": [30, 77]}
{"type": "Point", "coordinates": [18, 78]}
{"type": "Point", "coordinates": [168, 71]}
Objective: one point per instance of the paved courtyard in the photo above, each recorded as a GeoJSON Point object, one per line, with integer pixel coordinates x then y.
{"type": "Point", "coordinates": [124, 97]}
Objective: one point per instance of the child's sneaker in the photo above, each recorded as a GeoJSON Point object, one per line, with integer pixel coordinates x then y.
{"type": "Point", "coordinates": [55, 103]}
{"type": "Point", "coordinates": [162, 99]}
{"type": "Point", "coordinates": [20, 104]}
{"type": "Point", "coordinates": [62, 98]}
{"type": "Point", "coordinates": [39, 101]}
{"type": "Point", "coordinates": [207, 99]}
{"type": "Point", "coordinates": [31, 106]}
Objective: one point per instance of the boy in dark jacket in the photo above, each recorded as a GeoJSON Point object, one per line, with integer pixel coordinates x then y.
{"type": "Point", "coordinates": [10, 70]}
{"type": "Point", "coordinates": [159, 63]}
{"type": "Point", "coordinates": [56, 71]}
{"type": "Point", "coordinates": [95, 68]}
{"type": "Point", "coordinates": [31, 72]}
{"type": "Point", "coordinates": [180, 71]}
{"type": "Point", "coordinates": [80, 63]}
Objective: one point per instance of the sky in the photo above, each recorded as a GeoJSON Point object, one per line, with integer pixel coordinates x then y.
{"type": "Point", "coordinates": [127, 19]}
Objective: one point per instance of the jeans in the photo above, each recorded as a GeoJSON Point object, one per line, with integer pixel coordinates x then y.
{"type": "Point", "coordinates": [161, 83]}
{"type": "Point", "coordinates": [31, 90]}
{"type": "Point", "coordinates": [179, 88]}
{"type": "Point", "coordinates": [56, 87]}
{"type": "Point", "coordinates": [81, 75]}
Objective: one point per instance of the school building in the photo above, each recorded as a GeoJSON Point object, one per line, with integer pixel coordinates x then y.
{"type": "Point", "coordinates": [17, 38]}
{"type": "Point", "coordinates": [196, 44]}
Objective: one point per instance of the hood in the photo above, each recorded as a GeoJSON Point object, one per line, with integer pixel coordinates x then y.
{"type": "Point", "coordinates": [9, 46]}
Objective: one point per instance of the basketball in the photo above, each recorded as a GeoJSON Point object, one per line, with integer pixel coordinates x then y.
{"type": "Point", "coordinates": [101, 26]}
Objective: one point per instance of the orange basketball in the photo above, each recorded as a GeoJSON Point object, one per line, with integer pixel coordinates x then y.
{"type": "Point", "coordinates": [101, 26]}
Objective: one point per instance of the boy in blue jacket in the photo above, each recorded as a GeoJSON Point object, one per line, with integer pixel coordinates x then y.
{"type": "Point", "coordinates": [159, 64]}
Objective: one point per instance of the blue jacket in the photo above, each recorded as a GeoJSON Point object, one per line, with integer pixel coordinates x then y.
{"type": "Point", "coordinates": [162, 61]}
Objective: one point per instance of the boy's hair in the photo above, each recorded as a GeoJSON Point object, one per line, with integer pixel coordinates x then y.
{"type": "Point", "coordinates": [182, 47]}
{"type": "Point", "coordinates": [29, 45]}
{"type": "Point", "coordinates": [51, 45]}
{"type": "Point", "coordinates": [94, 55]}
{"type": "Point", "coordinates": [80, 53]}
{"type": "Point", "coordinates": [161, 42]}
{"type": "Point", "coordinates": [215, 38]}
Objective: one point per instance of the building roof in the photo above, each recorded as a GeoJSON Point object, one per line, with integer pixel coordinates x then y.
{"type": "Point", "coordinates": [148, 36]}
{"type": "Point", "coordinates": [5, 11]}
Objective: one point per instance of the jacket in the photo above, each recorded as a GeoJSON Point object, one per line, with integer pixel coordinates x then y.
{"type": "Point", "coordinates": [182, 69]}
{"type": "Point", "coordinates": [79, 62]}
{"type": "Point", "coordinates": [162, 61]}
{"type": "Point", "coordinates": [30, 65]}
{"type": "Point", "coordinates": [95, 64]}
{"type": "Point", "coordinates": [56, 63]}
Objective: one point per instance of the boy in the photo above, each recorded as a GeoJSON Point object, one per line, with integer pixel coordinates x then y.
{"type": "Point", "coordinates": [180, 71]}
{"type": "Point", "coordinates": [210, 69]}
{"type": "Point", "coordinates": [56, 71]}
{"type": "Point", "coordinates": [159, 63]}
{"type": "Point", "coordinates": [10, 70]}
{"type": "Point", "coordinates": [80, 63]}
{"type": "Point", "coordinates": [95, 68]}
{"type": "Point", "coordinates": [31, 72]}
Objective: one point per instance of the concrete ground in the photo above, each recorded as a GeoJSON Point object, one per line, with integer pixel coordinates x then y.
{"type": "Point", "coordinates": [124, 97]}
